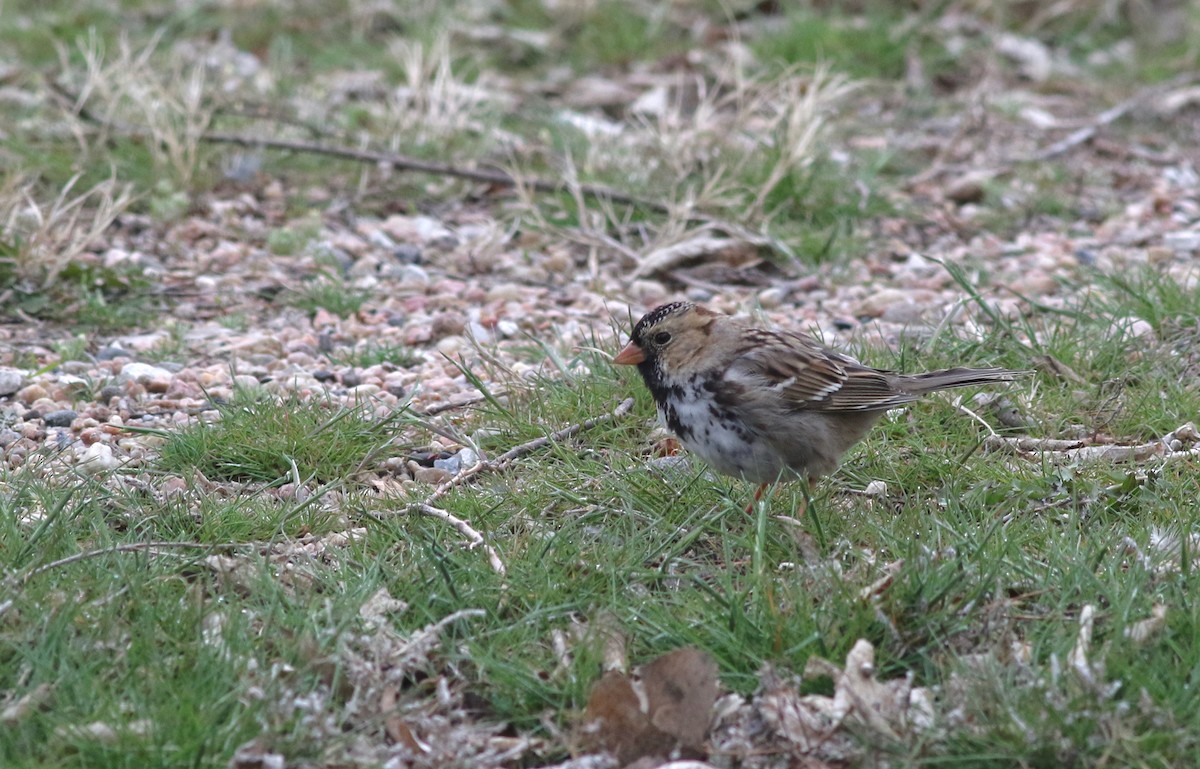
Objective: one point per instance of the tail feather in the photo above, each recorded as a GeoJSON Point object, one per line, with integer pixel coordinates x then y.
{"type": "Point", "coordinates": [919, 384]}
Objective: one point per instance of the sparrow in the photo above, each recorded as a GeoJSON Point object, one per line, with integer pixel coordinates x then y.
{"type": "Point", "coordinates": [764, 405]}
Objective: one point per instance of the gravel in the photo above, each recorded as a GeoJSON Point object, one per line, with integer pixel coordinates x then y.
{"type": "Point", "coordinates": [462, 289]}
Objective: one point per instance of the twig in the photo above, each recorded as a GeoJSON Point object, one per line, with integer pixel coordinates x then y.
{"type": "Point", "coordinates": [1085, 134]}
{"type": "Point", "coordinates": [405, 163]}
{"type": "Point", "coordinates": [1105, 118]}
{"type": "Point", "coordinates": [958, 404]}
{"type": "Point", "coordinates": [423, 640]}
{"type": "Point", "coordinates": [502, 461]}
{"type": "Point", "coordinates": [130, 548]}
{"type": "Point", "coordinates": [18, 582]}
{"type": "Point", "coordinates": [391, 159]}
{"type": "Point", "coordinates": [1168, 448]}
{"type": "Point", "coordinates": [440, 407]}
{"type": "Point", "coordinates": [427, 507]}
{"type": "Point", "coordinates": [464, 528]}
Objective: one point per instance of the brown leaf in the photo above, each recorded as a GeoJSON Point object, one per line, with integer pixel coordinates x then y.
{"type": "Point", "coordinates": [681, 688]}
{"type": "Point", "coordinates": [673, 708]}
{"type": "Point", "coordinates": [615, 722]}
{"type": "Point", "coordinates": [394, 724]}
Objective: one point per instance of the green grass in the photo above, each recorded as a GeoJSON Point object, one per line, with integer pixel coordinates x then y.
{"type": "Point", "coordinates": [260, 439]}
{"type": "Point", "coordinates": [326, 292]}
{"type": "Point", "coordinates": [602, 36]}
{"type": "Point", "coordinates": [285, 516]}
{"type": "Point", "coordinates": [93, 299]}
{"type": "Point", "coordinates": [995, 552]}
{"type": "Point", "coordinates": [861, 46]}
{"type": "Point", "coordinates": [372, 353]}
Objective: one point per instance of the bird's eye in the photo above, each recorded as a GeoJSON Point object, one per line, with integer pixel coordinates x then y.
{"type": "Point", "coordinates": [662, 337]}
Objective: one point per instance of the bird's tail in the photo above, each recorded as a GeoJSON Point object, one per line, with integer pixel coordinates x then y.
{"type": "Point", "coordinates": [918, 384]}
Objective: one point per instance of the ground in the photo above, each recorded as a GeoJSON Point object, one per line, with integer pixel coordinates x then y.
{"type": "Point", "coordinates": [313, 453]}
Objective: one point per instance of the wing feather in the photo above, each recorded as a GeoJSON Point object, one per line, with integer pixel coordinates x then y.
{"type": "Point", "coordinates": [793, 373]}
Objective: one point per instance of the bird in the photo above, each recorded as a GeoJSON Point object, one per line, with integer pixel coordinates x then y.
{"type": "Point", "coordinates": [765, 405]}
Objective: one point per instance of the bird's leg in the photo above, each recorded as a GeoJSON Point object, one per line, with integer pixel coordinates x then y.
{"type": "Point", "coordinates": [757, 496]}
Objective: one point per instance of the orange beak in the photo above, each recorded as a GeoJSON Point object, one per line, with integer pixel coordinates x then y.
{"type": "Point", "coordinates": [630, 356]}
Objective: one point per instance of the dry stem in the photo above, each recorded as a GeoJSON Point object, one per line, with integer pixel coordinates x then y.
{"type": "Point", "coordinates": [427, 507]}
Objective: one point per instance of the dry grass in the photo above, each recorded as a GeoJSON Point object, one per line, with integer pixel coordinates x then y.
{"type": "Point", "coordinates": [48, 235]}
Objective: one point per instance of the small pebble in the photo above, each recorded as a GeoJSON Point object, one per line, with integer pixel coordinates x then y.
{"type": "Point", "coordinates": [112, 352]}
{"type": "Point", "coordinates": [448, 324]}
{"type": "Point", "coordinates": [154, 378]}
{"type": "Point", "coordinates": [452, 345]}
{"type": "Point", "coordinates": [407, 253]}
{"type": "Point", "coordinates": [903, 313]}
{"type": "Point", "coordinates": [98, 459]}
{"type": "Point", "coordinates": [505, 292]}
{"type": "Point", "coordinates": [1185, 241]}
{"type": "Point", "coordinates": [431, 475]}
{"type": "Point", "coordinates": [59, 418]}
{"type": "Point", "coordinates": [11, 380]}
{"type": "Point", "coordinates": [245, 381]}
{"type": "Point", "coordinates": [772, 298]}
{"type": "Point", "coordinates": [31, 393]}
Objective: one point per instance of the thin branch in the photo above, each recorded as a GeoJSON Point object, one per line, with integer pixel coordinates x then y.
{"type": "Point", "coordinates": [1168, 448]}
{"type": "Point", "coordinates": [405, 163]}
{"type": "Point", "coordinates": [450, 406]}
{"type": "Point", "coordinates": [394, 160]}
{"type": "Point", "coordinates": [427, 507]}
{"type": "Point", "coordinates": [502, 461]}
{"type": "Point", "coordinates": [958, 404]}
{"type": "Point", "coordinates": [130, 548]}
{"type": "Point", "coordinates": [464, 528]}
{"type": "Point", "coordinates": [1088, 131]}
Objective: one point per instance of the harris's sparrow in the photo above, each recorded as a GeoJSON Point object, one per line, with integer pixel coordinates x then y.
{"type": "Point", "coordinates": [762, 404]}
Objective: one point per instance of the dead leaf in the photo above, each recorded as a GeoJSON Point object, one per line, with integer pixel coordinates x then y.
{"type": "Point", "coordinates": [969, 187]}
{"type": "Point", "coordinates": [883, 583]}
{"type": "Point", "coordinates": [681, 688]}
{"type": "Point", "coordinates": [1055, 367]}
{"type": "Point", "coordinates": [1178, 100]}
{"type": "Point", "coordinates": [669, 708]}
{"type": "Point", "coordinates": [255, 755]}
{"type": "Point", "coordinates": [616, 723]}
{"type": "Point", "coordinates": [700, 246]}
{"type": "Point", "coordinates": [395, 726]}
{"type": "Point", "coordinates": [1143, 630]}
{"type": "Point", "coordinates": [26, 704]}
{"type": "Point", "coordinates": [376, 609]}
{"type": "Point", "coordinates": [1078, 658]}
{"type": "Point", "coordinates": [886, 708]}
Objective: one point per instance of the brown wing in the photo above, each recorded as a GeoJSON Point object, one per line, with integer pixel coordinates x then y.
{"type": "Point", "coordinates": [795, 373]}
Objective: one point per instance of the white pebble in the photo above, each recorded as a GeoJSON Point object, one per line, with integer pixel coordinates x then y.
{"type": "Point", "coordinates": [98, 459]}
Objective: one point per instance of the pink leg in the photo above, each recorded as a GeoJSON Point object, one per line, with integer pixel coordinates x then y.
{"type": "Point", "coordinates": [757, 496]}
